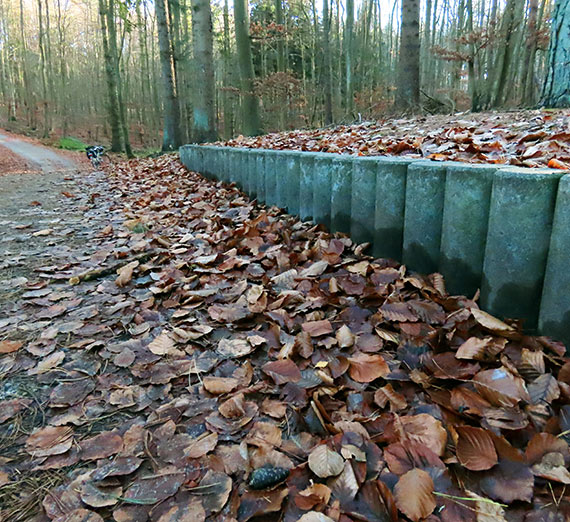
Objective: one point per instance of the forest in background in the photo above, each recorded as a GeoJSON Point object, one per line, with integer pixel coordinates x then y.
{"type": "Point", "coordinates": [138, 73]}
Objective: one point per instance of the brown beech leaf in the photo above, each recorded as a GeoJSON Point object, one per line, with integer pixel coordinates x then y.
{"type": "Point", "coordinates": [312, 496]}
{"type": "Point", "coordinates": [387, 394]}
{"type": "Point", "coordinates": [475, 448]}
{"type": "Point", "coordinates": [184, 512]}
{"type": "Point", "coordinates": [491, 323]}
{"type": "Point", "coordinates": [220, 385]}
{"type": "Point", "coordinates": [282, 371]}
{"type": "Point", "coordinates": [215, 489]}
{"type": "Point", "coordinates": [414, 494]}
{"type": "Point", "coordinates": [126, 274]}
{"type": "Point", "coordinates": [402, 458]}
{"type": "Point", "coordinates": [325, 462]}
{"type": "Point", "coordinates": [399, 312]}
{"type": "Point", "coordinates": [344, 487]}
{"type": "Point", "coordinates": [162, 344]}
{"type": "Point", "coordinates": [51, 440]}
{"type": "Point", "coordinates": [367, 368]}
{"type": "Point", "coordinates": [234, 347]}
{"type": "Point", "coordinates": [317, 328]}
{"type": "Point", "coordinates": [101, 446]}
{"type": "Point", "coordinates": [500, 387]}
{"type": "Point", "coordinates": [345, 337]}
{"type": "Point", "coordinates": [480, 349]}
{"type": "Point", "coordinates": [426, 430]}
{"type": "Point", "coordinates": [264, 433]}
{"type": "Point", "coordinates": [201, 446]}
{"type": "Point", "coordinates": [543, 443]}
{"type": "Point", "coordinates": [544, 389]}
{"type": "Point", "coordinates": [10, 346]}
{"type": "Point", "coordinates": [154, 488]}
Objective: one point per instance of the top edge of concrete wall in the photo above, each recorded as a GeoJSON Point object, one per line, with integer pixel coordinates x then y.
{"type": "Point", "coordinates": [451, 164]}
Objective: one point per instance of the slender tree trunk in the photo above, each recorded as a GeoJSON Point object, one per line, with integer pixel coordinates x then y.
{"type": "Point", "coordinates": [204, 118]}
{"type": "Point", "coordinates": [227, 102]}
{"type": "Point", "coordinates": [408, 88]}
{"type": "Point", "coordinates": [529, 95]}
{"type": "Point", "coordinates": [250, 102]}
{"type": "Point", "coordinates": [280, 43]}
{"type": "Point", "coordinates": [171, 133]}
{"type": "Point", "coordinates": [113, 103]}
{"type": "Point", "coordinates": [556, 91]}
{"type": "Point", "coordinates": [348, 49]}
{"type": "Point", "coordinates": [327, 63]}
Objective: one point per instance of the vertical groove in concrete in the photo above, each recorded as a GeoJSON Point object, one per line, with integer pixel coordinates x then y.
{"type": "Point", "coordinates": [260, 175]}
{"type": "Point", "coordinates": [464, 229]}
{"type": "Point", "coordinates": [425, 188]}
{"type": "Point", "coordinates": [518, 239]}
{"type": "Point", "coordinates": [251, 174]}
{"type": "Point", "coordinates": [554, 306]}
{"type": "Point", "coordinates": [322, 189]}
{"type": "Point", "coordinates": [306, 164]}
{"type": "Point", "coordinates": [293, 181]}
{"type": "Point", "coordinates": [390, 204]}
{"type": "Point", "coordinates": [270, 178]}
{"type": "Point", "coordinates": [363, 200]}
{"type": "Point", "coordinates": [341, 193]}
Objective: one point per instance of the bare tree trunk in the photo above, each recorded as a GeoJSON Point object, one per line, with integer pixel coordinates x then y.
{"type": "Point", "coordinates": [556, 91]}
{"type": "Point", "coordinates": [227, 102]}
{"type": "Point", "coordinates": [348, 50]}
{"type": "Point", "coordinates": [408, 88]}
{"type": "Point", "coordinates": [529, 94]}
{"type": "Point", "coordinates": [113, 103]}
{"type": "Point", "coordinates": [327, 63]}
{"type": "Point", "coordinates": [250, 102]}
{"type": "Point", "coordinates": [204, 117]}
{"type": "Point", "coordinates": [171, 133]}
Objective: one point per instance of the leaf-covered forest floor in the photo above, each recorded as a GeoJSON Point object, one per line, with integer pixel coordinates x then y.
{"type": "Point", "coordinates": [531, 138]}
{"type": "Point", "coordinates": [172, 351]}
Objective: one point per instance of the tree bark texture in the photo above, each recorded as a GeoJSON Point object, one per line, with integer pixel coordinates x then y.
{"type": "Point", "coordinates": [556, 92]}
{"type": "Point", "coordinates": [204, 115]}
{"type": "Point", "coordinates": [408, 86]}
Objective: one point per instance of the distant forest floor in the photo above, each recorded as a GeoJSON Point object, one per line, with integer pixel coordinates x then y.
{"type": "Point", "coordinates": [530, 138]}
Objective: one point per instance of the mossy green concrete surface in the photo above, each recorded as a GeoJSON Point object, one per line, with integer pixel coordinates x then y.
{"type": "Point", "coordinates": [520, 223]}
{"type": "Point", "coordinates": [363, 199]}
{"type": "Point", "coordinates": [341, 193]}
{"type": "Point", "coordinates": [425, 188]}
{"type": "Point", "coordinates": [389, 207]}
{"type": "Point", "coordinates": [322, 189]}
{"type": "Point", "coordinates": [554, 306]}
{"type": "Point", "coordinates": [306, 165]}
{"type": "Point", "coordinates": [464, 228]}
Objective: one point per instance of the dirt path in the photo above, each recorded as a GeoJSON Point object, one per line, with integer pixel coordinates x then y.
{"type": "Point", "coordinates": [43, 158]}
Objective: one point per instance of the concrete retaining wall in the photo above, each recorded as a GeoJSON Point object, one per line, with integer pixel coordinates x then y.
{"type": "Point", "coordinates": [503, 230]}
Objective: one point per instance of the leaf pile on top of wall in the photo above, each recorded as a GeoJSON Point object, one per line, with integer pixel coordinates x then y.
{"type": "Point", "coordinates": [524, 138]}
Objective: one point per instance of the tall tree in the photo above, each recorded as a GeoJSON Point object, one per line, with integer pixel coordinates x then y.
{"type": "Point", "coordinates": [250, 103]}
{"type": "Point", "coordinates": [348, 50]}
{"type": "Point", "coordinates": [556, 92]}
{"type": "Point", "coordinates": [113, 101]}
{"type": "Point", "coordinates": [327, 63]}
{"type": "Point", "coordinates": [171, 133]}
{"type": "Point", "coordinates": [204, 116]}
{"type": "Point", "coordinates": [408, 83]}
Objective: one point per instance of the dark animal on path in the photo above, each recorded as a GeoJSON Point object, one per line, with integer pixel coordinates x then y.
{"type": "Point", "coordinates": [95, 154]}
